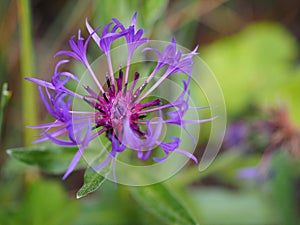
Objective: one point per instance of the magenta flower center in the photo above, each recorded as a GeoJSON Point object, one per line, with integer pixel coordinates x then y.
{"type": "Point", "coordinates": [120, 110]}
{"type": "Point", "coordinates": [117, 105]}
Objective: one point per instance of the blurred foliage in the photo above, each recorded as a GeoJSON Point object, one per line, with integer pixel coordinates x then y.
{"type": "Point", "coordinates": [256, 67]}
{"type": "Point", "coordinates": [162, 202]}
{"type": "Point", "coordinates": [32, 200]}
{"type": "Point", "coordinates": [149, 11]}
{"type": "Point", "coordinates": [233, 207]}
{"type": "Point", "coordinates": [284, 188]}
{"type": "Point", "coordinates": [46, 203]}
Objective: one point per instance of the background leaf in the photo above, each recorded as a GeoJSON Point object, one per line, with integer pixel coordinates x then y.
{"type": "Point", "coordinates": [52, 159]}
{"type": "Point", "coordinates": [252, 65]}
{"type": "Point", "coordinates": [221, 206]}
{"type": "Point", "coordinates": [283, 188]}
{"type": "Point", "coordinates": [161, 201]}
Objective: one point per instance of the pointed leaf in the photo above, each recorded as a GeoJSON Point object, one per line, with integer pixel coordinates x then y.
{"type": "Point", "coordinates": [52, 159]}
{"type": "Point", "coordinates": [92, 181]}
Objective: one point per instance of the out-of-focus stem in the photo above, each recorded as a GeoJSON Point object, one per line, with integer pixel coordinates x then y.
{"type": "Point", "coordinates": [5, 96]}
{"type": "Point", "coordinates": [29, 109]}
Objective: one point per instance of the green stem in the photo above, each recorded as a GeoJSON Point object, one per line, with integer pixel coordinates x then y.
{"type": "Point", "coordinates": [29, 108]}
{"type": "Point", "coordinates": [5, 96]}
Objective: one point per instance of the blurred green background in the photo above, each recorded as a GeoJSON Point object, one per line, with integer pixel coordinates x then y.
{"type": "Point", "coordinates": [253, 49]}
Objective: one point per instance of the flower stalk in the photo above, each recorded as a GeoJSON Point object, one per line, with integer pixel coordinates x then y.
{"type": "Point", "coordinates": [29, 115]}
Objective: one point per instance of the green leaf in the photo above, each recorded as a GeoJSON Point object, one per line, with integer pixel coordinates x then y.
{"type": "Point", "coordinates": [52, 159]}
{"type": "Point", "coordinates": [283, 188]}
{"type": "Point", "coordinates": [161, 201]}
{"type": "Point", "coordinates": [92, 181]}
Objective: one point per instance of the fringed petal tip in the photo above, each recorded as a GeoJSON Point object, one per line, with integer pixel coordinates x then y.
{"type": "Point", "coordinates": [160, 160]}
{"type": "Point", "coordinates": [74, 162]}
{"type": "Point", "coordinates": [173, 40]}
{"type": "Point", "coordinates": [194, 52]}
{"type": "Point", "coordinates": [65, 176]}
{"type": "Point", "coordinates": [133, 21]}
{"type": "Point", "coordinates": [187, 154]}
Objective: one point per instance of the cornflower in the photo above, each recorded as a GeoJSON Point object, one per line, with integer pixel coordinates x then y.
{"type": "Point", "coordinates": [119, 110]}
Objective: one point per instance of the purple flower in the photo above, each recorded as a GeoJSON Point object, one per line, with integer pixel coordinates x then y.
{"type": "Point", "coordinates": [237, 135]}
{"type": "Point", "coordinates": [119, 111]}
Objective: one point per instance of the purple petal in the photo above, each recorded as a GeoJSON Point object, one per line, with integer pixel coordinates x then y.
{"type": "Point", "coordinates": [104, 163]}
{"type": "Point", "coordinates": [116, 146]}
{"type": "Point", "coordinates": [47, 125]}
{"type": "Point", "coordinates": [93, 32]}
{"type": "Point", "coordinates": [168, 147]}
{"type": "Point", "coordinates": [59, 64]}
{"type": "Point", "coordinates": [133, 21]}
{"type": "Point", "coordinates": [52, 138]}
{"type": "Point", "coordinates": [73, 163]}
{"type": "Point", "coordinates": [41, 82]}
{"type": "Point", "coordinates": [248, 172]}
{"type": "Point", "coordinates": [45, 101]}
{"type": "Point", "coordinates": [187, 154]}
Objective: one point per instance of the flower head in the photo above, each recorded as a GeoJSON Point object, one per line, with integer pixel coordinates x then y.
{"type": "Point", "coordinates": [120, 110]}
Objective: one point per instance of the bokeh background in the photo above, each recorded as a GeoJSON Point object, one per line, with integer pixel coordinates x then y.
{"type": "Point", "coordinates": [253, 49]}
